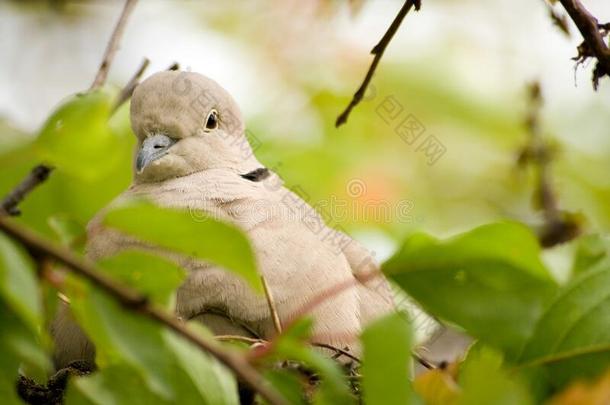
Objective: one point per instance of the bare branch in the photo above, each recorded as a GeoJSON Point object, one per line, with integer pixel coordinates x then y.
{"type": "Point", "coordinates": [131, 85]}
{"type": "Point", "coordinates": [378, 51]}
{"type": "Point", "coordinates": [113, 45]}
{"type": "Point", "coordinates": [593, 44]}
{"type": "Point", "coordinates": [136, 302]}
{"type": "Point", "coordinates": [37, 176]}
{"type": "Point", "coordinates": [127, 91]}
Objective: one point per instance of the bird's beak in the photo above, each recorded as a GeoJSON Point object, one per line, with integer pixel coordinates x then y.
{"type": "Point", "coordinates": [152, 149]}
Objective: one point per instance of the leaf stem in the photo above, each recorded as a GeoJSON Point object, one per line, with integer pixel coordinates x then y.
{"type": "Point", "coordinates": [113, 45]}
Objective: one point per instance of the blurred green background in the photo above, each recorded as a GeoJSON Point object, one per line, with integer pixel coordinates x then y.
{"type": "Point", "coordinates": [459, 67]}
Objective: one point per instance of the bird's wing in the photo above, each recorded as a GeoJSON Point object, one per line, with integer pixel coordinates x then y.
{"type": "Point", "coordinates": [376, 297]}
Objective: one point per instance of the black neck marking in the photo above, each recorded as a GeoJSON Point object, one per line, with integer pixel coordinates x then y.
{"type": "Point", "coordinates": [257, 175]}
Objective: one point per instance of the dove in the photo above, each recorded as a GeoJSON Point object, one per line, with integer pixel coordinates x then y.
{"type": "Point", "coordinates": [193, 153]}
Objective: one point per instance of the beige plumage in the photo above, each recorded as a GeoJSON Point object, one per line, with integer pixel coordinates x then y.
{"type": "Point", "coordinates": [192, 153]}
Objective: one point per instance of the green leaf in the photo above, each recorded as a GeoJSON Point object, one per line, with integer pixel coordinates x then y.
{"type": "Point", "coordinates": [292, 345]}
{"type": "Point", "coordinates": [117, 385]}
{"type": "Point", "coordinates": [573, 336]}
{"type": "Point", "coordinates": [590, 250]}
{"type": "Point", "coordinates": [70, 232]}
{"type": "Point", "coordinates": [124, 336]}
{"type": "Point", "coordinates": [18, 284]}
{"type": "Point", "coordinates": [485, 381]}
{"type": "Point", "coordinates": [151, 275]}
{"type": "Point", "coordinates": [19, 347]}
{"type": "Point", "coordinates": [169, 367]}
{"type": "Point", "coordinates": [64, 195]}
{"type": "Point", "coordinates": [490, 281]}
{"type": "Point", "coordinates": [122, 384]}
{"type": "Point", "coordinates": [214, 382]}
{"type": "Point", "coordinates": [77, 137]}
{"type": "Point", "coordinates": [288, 384]}
{"type": "Point", "coordinates": [20, 299]}
{"type": "Point", "coordinates": [386, 366]}
{"type": "Point", "coordinates": [20, 312]}
{"type": "Point", "coordinates": [204, 238]}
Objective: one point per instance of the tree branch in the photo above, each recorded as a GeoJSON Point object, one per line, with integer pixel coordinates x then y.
{"type": "Point", "coordinates": [131, 85]}
{"type": "Point", "coordinates": [594, 44]}
{"type": "Point", "coordinates": [127, 91]}
{"type": "Point", "coordinates": [113, 45]}
{"type": "Point", "coordinates": [378, 51]}
{"type": "Point", "coordinates": [559, 226]}
{"type": "Point", "coordinates": [136, 302]}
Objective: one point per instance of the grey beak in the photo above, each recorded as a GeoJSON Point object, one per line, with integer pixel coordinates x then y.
{"type": "Point", "coordinates": [152, 149]}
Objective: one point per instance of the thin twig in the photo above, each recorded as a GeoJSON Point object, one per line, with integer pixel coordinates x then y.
{"type": "Point", "coordinates": [131, 85]}
{"type": "Point", "coordinates": [272, 308]}
{"type": "Point", "coordinates": [559, 226]}
{"type": "Point", "coordinates": [127, 91]}
{"type": "Point", "coordinates": [227, 338]}
{"type": "Point", "coordinates": [113, 45]}
{"type": "Point", "coordinates": [560, 20]}
{"type": "Point", "coordinates": [333, 291]}
{"type": "Point", "coordinates": [238, 338]}
{"type": "Point", "coordinates": [174, 66]}
{"type": "Point", "coordinates": [377, 51]}
{"type": "Point", "coordinates": [36, 176]}
{"type": "Point", "coordinates": [421, 360]}
{"type": "Point", "coordinates": [245, 339]}
{"type": "Point", "coordinates": [136, 302]}
{"type": "Point", "coordinates": [594, 44]}
{"type": "Point", "coordinates": [540, 154]}
{"type": "Point", "coordinates": [338, 350]}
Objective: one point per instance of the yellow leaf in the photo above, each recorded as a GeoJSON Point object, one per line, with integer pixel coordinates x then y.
{"type": "Point", "coordinates": [585, 393]}
{"type": "Point", "coordinates": [437, 387]}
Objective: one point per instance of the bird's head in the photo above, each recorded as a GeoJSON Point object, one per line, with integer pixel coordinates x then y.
{"type": "Point", "coordinates": [186, 123]}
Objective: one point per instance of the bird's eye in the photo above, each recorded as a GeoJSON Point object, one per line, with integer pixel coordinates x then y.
{"type": "Point", "coordinates": [211, 122]}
